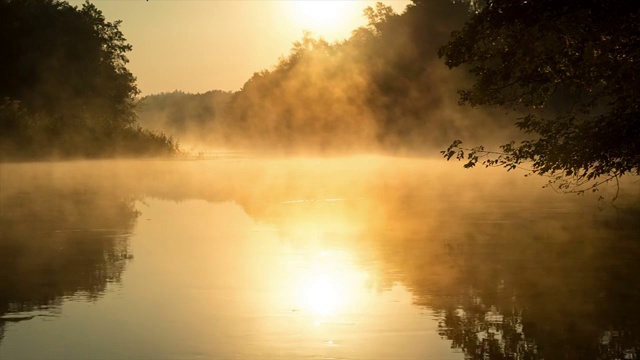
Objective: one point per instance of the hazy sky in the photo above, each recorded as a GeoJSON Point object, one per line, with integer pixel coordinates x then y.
{"type": "Point", "coordinates": [201, 45]}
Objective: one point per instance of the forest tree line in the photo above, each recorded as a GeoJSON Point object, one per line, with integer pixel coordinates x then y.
{"type": "Point", "coordinates": [66, 91]}
{"type": "Point", "coordinates": [384, 89]}
{"type": "Point", "coordinates": [565, 73]}
{"type": "Point", "coordinates": [571, 90]}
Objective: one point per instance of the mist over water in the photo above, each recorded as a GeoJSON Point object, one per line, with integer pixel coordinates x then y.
{"type": "Point", "coordinates": [357, 257]}
{"type": "Point", "coordinates": [306, 216]}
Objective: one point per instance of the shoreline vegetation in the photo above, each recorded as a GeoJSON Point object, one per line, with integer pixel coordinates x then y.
{"type": "Point", "coordinates": [363, 94]}
{"type": "Point", "coordinates": [394, 87]}
{"type": "Point", "coordinates": [66, 92]}
{"type": "Point", "coordinates": [38, 137]}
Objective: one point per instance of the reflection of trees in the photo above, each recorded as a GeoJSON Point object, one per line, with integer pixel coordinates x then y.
{"type": "Point", "coordinates": [525, 276]}
{"type": "Point", "coordinates": [510, 283]}
{"type": "Point", "coordinates": [58, 242]}
{"type": "Point", "coordinates": [538, 276]}
{"type": "Point", "coordinates": [514, 271]}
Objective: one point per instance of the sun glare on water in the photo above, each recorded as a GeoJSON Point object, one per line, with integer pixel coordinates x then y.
{"type": "Point", "coordinates": [322, 295]}
{"type": "Point", "coordinates": [331, 285]}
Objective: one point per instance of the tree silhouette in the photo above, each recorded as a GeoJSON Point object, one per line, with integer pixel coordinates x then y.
{"type": "Point", "coordinates": [570, 68]}
{"type": "Point", "coordinates": [384, 87]}
{"type": "Point", "coordinates": [65, 87]}
{"type": "Point", "coordinates": [61, 60]}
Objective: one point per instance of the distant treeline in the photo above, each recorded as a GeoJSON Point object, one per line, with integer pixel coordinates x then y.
{"type": "Point", "coordinates": [192, 118]}
{"type": "Point", "coordinates": [383, 89]}
{"type": "Point", "coordinates": [65, 91]}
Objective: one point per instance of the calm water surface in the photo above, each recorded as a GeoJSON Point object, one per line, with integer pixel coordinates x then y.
{"type": "Point", "coordinates": [358, 258]}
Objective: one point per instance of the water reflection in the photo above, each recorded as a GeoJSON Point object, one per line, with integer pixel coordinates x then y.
{"type": "Point", "coordinates": [357, 258]}
{"type": "Point", "coordinates": [559, 289]}
{"type": "Point", "coordinates": [56, 244]}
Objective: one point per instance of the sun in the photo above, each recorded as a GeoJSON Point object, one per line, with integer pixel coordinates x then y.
{"type": "Point", "coordinates": [325, 18]}
{"type": "Point", "coordinates": [321, 13]}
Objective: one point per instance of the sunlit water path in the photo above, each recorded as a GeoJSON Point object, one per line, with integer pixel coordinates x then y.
{"type": "Point", "coordinates": [359, 258]}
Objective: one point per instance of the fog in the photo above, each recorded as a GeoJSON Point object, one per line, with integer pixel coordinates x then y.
{"type": "Point", "coordinates": [186, 225]}
{"type": "Point", "coordinates": [383, 90]}
{"type": "Point", "coordinates": [463, 242]}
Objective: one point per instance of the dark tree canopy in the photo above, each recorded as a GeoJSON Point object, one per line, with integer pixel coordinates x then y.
{"type": "Point", "coordinates": [57, 56]}
{"type": "Point", "coordinates": [572, 69]}
{"type": "Point", "coordinates": [64, 85]}
{"type": "Point", "coordinates": [383, 89]}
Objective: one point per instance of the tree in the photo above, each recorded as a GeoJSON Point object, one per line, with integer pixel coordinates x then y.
{"type": "Point", "coordinates": [64, 85]}
{"type": "Point", "coordinates": [63, 60]}
{"type": "Point", "coordinates": [384, 88]}
{"type": "Point", "coordinates": [570, 69]}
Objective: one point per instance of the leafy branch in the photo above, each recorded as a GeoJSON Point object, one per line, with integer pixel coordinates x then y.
{"type": "Point", "coordinates": [513, 157]}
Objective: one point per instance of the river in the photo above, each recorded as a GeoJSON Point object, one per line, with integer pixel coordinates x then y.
{"type": "Point", "coordinates": [312, 258]}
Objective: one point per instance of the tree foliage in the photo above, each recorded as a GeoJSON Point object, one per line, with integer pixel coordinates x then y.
{"type": "Point", "coordinates": [311, 100]}
{"type": "Point", "coordinates": [384, 88]}
{"type": "Point", "coordinates": [64, 86]}
{"type": "Point", "coordinates": [571, 70]}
